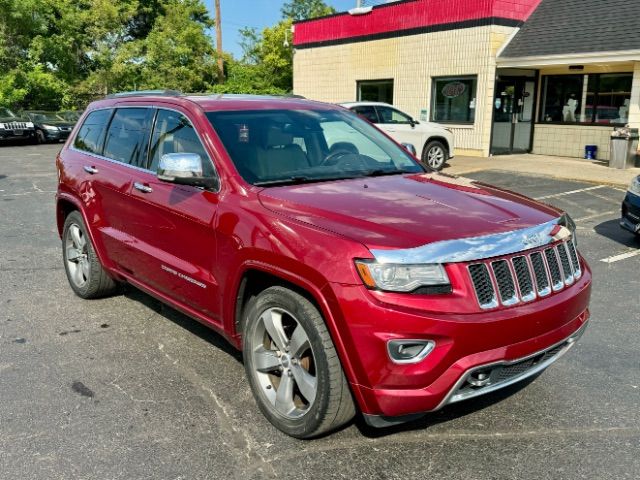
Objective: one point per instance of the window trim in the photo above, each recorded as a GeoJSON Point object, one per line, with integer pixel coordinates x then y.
{"type": "Point", "coordinates": [540, 117]}
{"type": "Point", "coordinates": [376, 80]}
{"type": "Point", "coordinates": [134, 167]}
{"type": "Point", "coordinates": [434, 99]}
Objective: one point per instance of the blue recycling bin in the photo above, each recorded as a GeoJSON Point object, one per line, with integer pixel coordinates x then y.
{"type": "Point", "coordinates": [590, 152]}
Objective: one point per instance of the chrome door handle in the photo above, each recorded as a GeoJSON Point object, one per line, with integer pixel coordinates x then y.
{"type": "Point", "coordinates": [142, 187]}
{"type": "Point", "coordinates": [90, 170]}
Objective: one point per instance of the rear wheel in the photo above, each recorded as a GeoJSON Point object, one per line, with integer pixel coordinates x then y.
{"type": "Point", "coordinates": [292, 365]}
{"type": "Point", "coordinates": [434, 155]}
{"type": "Point", "coordinates": [85, 274]}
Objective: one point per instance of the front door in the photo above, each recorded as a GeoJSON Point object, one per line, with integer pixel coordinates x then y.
{"type": "Point", "coordinates": [513, 110]}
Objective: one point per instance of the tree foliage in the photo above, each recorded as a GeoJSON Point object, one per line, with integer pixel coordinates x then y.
{"type": "Point", "coordinates": [64, 53]}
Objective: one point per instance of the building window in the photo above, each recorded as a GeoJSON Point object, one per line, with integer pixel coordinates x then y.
{"type": "Point", "coordinates": [454, 99]}
{"type": "Point", "coordinates": [375, 91]}
{"type": "Point", "coordinates": [587, 99]}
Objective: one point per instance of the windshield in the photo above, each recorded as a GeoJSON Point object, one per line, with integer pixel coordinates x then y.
{"type": "Point", "coordinates": [43, 117]}
{"type": "Point", "coordinates": [5, 112]}
{"type": "Point", "coordinates": [276, 147]}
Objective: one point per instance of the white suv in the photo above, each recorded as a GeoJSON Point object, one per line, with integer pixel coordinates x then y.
{"type": "Point", "coordinates": [433, 142]}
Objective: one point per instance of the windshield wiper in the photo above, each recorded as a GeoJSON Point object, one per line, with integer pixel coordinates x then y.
{"type": "Point", "coordinates": [298, 180]}
{"type": "Point", "coordinates": [379, 172]}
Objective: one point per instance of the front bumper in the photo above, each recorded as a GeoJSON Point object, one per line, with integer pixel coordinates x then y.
{"type": "Point", "coordinates": [56, 135]}
{"type": "Point", "coordinates": [466, 343]}
{"type": "Point", "coordinates": [631, 213]}
{"type": "Point", "coordinates": [17, 134]}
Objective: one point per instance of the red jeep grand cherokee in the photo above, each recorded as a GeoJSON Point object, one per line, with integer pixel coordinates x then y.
{"type": "Point", "coordinates": [348, 275]}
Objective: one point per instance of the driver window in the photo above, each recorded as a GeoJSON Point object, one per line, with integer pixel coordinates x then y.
{"type": "Point", "coordinates": [173, 133]}
{"type": "Point", "coordinates": [390, 115]}
{"type": "Point", "coordinates": [340, 136]}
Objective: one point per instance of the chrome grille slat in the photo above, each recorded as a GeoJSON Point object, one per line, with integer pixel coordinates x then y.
{"type": "Point", "coordinates": [573, 253]}
{"type": "Point", "coordinates": [540, 272]}
{"type": "Point", "coordinates": [15, 126]}
{"type": "Point", "coordinates": [551, 257]}
{"type": "Point", "coordinates": [525, 277]}
{"type": "Point", "coordinates": [567, 268]}
{"type": "Point", "coordinates": [504, 280]}
{"type": "Point", "coordinates": [483, 285]}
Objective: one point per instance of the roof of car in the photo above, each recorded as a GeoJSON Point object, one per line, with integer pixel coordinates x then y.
{"type": "Point", "coordinates": [216, 101]}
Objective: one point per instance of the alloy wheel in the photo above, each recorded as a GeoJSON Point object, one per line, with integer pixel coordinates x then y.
{"type": "Point", "coordinates": [77, 256]}
{"type": "Point", "coordinates": [284, 363]}
{"type": "Point", "coordinates": [435, 157]}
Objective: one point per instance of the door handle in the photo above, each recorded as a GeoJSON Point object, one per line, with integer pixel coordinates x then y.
{"type": "Point", "coordinates": [142, 187]}
{"type": "Point", "coordinates": [90, 170]}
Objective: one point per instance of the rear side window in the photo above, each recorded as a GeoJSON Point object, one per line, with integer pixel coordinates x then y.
{"type": "Point", "coordinates": [128, 136]}
{"type": "Point", "coordinates": [91, 135]}
{"type": "Point", "coordinates": [174, 133]}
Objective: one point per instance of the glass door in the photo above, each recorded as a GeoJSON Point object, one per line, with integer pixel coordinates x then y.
{"type": "Point", "coordinates": [513, 115]}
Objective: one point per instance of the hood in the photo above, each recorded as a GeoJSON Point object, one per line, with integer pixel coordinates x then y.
{"type": "Point", "coordinates": [57, 123]}
{"type": "Point", "coordinates": [14, 119]}
{"type": "Point", "coordinates": [406, 211]}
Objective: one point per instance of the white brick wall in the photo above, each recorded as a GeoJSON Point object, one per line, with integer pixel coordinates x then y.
{"type": "Point", "coordinates": [330, 73]}
{"type": "Point", "coordinates": [570, 140]}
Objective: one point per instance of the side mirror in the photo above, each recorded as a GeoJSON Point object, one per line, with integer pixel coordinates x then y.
{"type": "Point", "coordinates": [414, 123]}
{"type": "Point", "coordinates": [184, 169]}
{"type": "Point", "coordinates": [410, 148]}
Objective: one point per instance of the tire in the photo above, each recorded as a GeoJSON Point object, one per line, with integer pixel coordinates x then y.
{"type": "Point", "coordinates": [435, 154]}
{"type": "Point", "coordinates": [301, 364]}
{"type": "Point", "coordinates": [40, 138]}
{"type": "Point", "coordinates": [85, 273]}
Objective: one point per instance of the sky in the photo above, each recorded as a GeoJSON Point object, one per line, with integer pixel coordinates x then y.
{"type": "Point", "coordinates": [237, 14]}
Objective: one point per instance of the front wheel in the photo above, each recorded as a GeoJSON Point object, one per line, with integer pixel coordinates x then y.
{"type": "Point", "coordinates": [434, 155]}
{"type": "Point", "coordinates": [292, 365]}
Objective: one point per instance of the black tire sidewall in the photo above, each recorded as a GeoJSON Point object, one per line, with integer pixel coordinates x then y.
{"type": "Point", "coordinates": [304, 311]}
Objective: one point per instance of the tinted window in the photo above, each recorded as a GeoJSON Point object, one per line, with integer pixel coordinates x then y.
{"type": "Point", "coordinates": [174, 133]}
{"type": "Point", "coordinates": [375, 91]}
{"type": "Point", "coordinates": [454, 99]}
{"type": "Point", "coordinates": [91, 135]}
{"type": "Point", "coordinates": [367, 112]}
{"type": "Point", "coordinates": [128, 134]}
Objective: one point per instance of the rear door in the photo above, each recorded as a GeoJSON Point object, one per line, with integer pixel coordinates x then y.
{"type": "Point", "coordinates": [113, 172]}
{"type": "Point", "coordinates": [173, 225]}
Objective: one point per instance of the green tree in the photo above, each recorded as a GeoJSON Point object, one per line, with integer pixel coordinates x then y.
{"type": "Point", "coordinates": [304, 9]}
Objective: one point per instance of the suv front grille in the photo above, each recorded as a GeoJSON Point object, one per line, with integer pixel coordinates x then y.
{"type": "Point", "coordinates": [523, 278]}
{"type": "Point", "coordinates": [15, 126]}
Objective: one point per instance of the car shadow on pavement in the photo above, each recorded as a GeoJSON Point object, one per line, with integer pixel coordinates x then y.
{"type": "Point", "coordinates": [611, 229]}
{"type": "Point", "coordinates": [182, 320]}
{"type": "Point", "coordinates": [448, 413]}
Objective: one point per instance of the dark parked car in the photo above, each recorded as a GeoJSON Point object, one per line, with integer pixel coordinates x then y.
{"type": "Point", "coordinates": [50, 126]}
{"type": "Point", "coordinates": [349, 280]}
{"type": "Point", "coordinates": [14, 127]}
{"type": "Point", "coordinates": [631, 208]}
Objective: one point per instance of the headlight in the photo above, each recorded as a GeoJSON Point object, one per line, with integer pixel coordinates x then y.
{"type": "Point", "coordinates": [635, 186]}
{"type": "Point", "coordinates": [49, 127]}
{"type": "Point", "coordinates": [568, 222]}
{"type": "Point", "coordinates": [401, 278]}
{"type": "Point", "coordinates": [1, 126]}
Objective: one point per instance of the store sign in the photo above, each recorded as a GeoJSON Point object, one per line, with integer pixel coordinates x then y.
{"type": "Point", "coordinates": [453, 89]}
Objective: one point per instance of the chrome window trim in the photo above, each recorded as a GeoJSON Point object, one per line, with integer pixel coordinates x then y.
{"type": "Point", "coordinates": [480, 248]}
{"type": "Point", "coordinates": [146, 170]}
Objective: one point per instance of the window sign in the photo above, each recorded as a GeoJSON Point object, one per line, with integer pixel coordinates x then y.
{"type": "Point", "coordinates": [454, 99]}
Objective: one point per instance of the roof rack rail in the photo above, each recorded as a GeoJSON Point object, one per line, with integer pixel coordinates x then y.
{"type": "Point", "coordinates": [146, 93]}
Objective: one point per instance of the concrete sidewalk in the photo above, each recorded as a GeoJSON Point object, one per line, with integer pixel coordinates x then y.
{"type": "Point", "coordinates": [556, 167]}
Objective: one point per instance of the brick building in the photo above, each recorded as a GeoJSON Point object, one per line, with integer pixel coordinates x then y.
{"type": "Point", "coordinates": [540, 76]}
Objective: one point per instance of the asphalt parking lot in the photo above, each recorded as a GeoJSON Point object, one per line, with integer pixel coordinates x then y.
{"type": "Point", "coordinates": [125, 388]}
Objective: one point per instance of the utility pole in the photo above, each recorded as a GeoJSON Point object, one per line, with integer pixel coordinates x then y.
{"type": "Point", "coordinates": [219, 42]}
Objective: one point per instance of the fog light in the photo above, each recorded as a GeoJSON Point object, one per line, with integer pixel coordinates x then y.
{"type": "Point", "coordinates": [409, 351]}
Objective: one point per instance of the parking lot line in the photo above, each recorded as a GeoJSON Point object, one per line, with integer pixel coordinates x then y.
{"type": "Point", "coordinates": [571, 192]}
{"type": "Point", "coordinates": [595, 215]}
{"type": "Point", "coordinates": [622, 256]}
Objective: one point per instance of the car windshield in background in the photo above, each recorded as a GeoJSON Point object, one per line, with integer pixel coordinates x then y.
{"type": "Point", "coordinates": [43, 117]}
{"type": "Point", "coordinates": [278, 147]}
{"type": "Point", "coordinates": [5, 112]}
